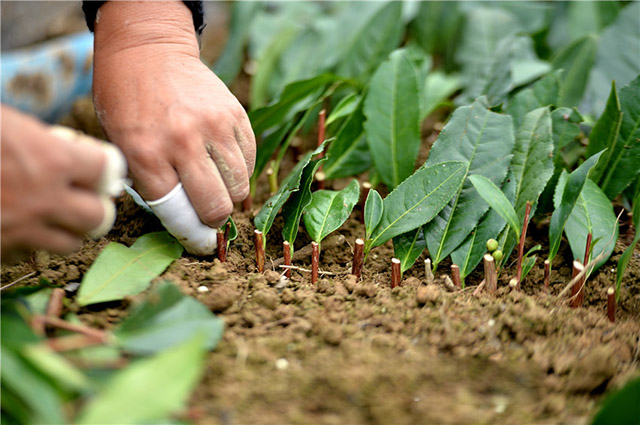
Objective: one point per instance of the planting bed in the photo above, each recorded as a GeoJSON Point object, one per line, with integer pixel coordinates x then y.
{"type": "Point", "coordinates": [352, 352]}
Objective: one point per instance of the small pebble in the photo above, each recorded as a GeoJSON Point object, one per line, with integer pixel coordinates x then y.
{"type": "Point", "coordinates": [428, 294]}
{"type": "Point", "coordinates": [202, 289]}
{"type": "Point", "coordinates": [282, 364]}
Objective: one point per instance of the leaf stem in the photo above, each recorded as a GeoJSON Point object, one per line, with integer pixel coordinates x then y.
{"type": "Point", "coordinates": [611, 304]}
{"type": "Point", "coordinates": [358, 258]}
{"type": "Point", "coordinates": [455, 276]}
{"type": "Point", "coordinates": [315, 260]}
{"type": "Point", "coordinates": [286, 252]}
{"type": "Point", "coordinates": [490, 275]}
{"type": "Point", "coordinates": [259, 243]}
{"type": "Point", "coordinates": [396, 273]}
{"type": "Point", "coordinates": [222, 246]}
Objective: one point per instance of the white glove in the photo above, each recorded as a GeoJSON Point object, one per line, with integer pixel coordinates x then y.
{"type": "Point", "coordinates": [181, 220]}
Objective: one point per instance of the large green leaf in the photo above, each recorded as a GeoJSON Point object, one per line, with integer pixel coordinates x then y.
{"type": "Point", "coordinates": [374, 39]}
{"type": "Point", "coordinates": [626, 256]}
{"type": "Point", "coordinates": [167, 318]}
{"type": "Point", "coordinates": [593, 213]}
{"type": "Point", "coordinates": [119, 271]}
{"type": "Point", "coordinates": [373, 208]}
{"type": "Point", "coordinates": [532, 162]}
{"type": "Point", "coordinates": [570, 192]}
{"type": "Point", "coordinates": [564, 122]}
{"type": "Point", "coordinates": [620, 167]}
{"type": "Point", "coordinates": [617, 57]}
{"type": "Point", "coordinates": [498, 201]}
{"type": "Point", "coordinates": [408, 247]}
{"type": "Point", "coordinates": [392, 109]}
{"type": "Point", "coordinates": [437, 87]}
{"type": "Point", "coordinates": [544, 92]}
{"type": "Point", "coordinates": [576, 59]}
{"type": "Point", "coordinates": [485, 140]}
{"type": "Point", "coordinates": [229, 64]}
{"type": "Point", "coordinates": [329, 209]}
{"type": "Point", "coordinates": [418, 199]}
{"type": "Point", "coordinates": [348, 154]}
{"type": "Point", "coordinates": [605, 134]}
{"type": "Point", "coordinates": [621, 407]}
{"type": "Point", "coordinates": [292, 210]}
{"type": "Point", "coordinates": [469, 254]}
{"type": "Point", "coordinates": [266, 215]}
{"type": "Point", "coordinates": [150, 389]}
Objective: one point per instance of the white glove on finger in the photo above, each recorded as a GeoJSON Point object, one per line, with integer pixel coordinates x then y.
{"type": "Point", "coordinates": [181, 220]}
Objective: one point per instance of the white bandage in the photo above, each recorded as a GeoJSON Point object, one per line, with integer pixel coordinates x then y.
{"type": "Point", "coordinates": [181, 220]}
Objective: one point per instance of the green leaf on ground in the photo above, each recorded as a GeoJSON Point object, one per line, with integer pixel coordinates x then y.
{"type": "Point", "coordinates": [418, 199]}
{"type": "Point", "coordinates": [392, 109]}
{"type": "Point", "coordinates": [621, 407]}
{"type": "Point", "coordinates": [56, 367]}
{"type": "Point", "coordinates": [292, 210]}
{"type": "Point", "coordinates": [167, 318]}
{"type": "Point", "coordinates": [119, 271]}
{"type": "Point", "coordinates": [570, 191]}
{"type": "Point", "coordinates": [264, 218]}
{"type": "Point", "coordinates": [485, 140]}
{"type": "Point", "coordinates": [373, 208]}
{"type": "Point", "coordinates": [329, 209]}
{"type": "Point", "coordinates": [593, 213]}
{"type": "Point", "coordinates": [408, 247]}
{"type": "Point", "coordinates": [150, 389]}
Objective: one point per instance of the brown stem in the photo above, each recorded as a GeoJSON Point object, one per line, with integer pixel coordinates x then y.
{"type": "Point", "coordinates": [587, 250]}
{"type": "Point", "coordinates": [358, 258]}
{"type": "Point", "coordinates": [523, 236]}
{"type": "Point", "coordinates": [396, 273]}
{"type": "Point", "coordinates": [455, 276]}
{"type": "Point", "coordinates": [577, 291]}
{"type": "Point", "coordinates": [366, 187]}
{"type": "Point", "coordinates": [73, 342]}
{"type": "Point", "coordinates": [480, 287]}
{"type": "Point", "coordinates": [247, 203]}
{"type": "Point", "coordinates": [222, 246]}
{"type": "Point", "coordinates": [611, 304]}
{"type": "Point", "coordinates": [490, 276]}
{"type": "Point", "coordinates": [286, 251]}
{"type": "Point", "coordinates": [73, 327]}
{"type": "Point", "coordinates": [428, 274]}
{"type": "Point", "coordinates": [258, 239]}
{"type": "Point", "coordinates": [305, 252]}
{"type": "Point", "coordinates": [54, 308]}
{"type": "Point", "coordinates": [315, 260]}
{"type": "Point", "coordinates": [547, 274]}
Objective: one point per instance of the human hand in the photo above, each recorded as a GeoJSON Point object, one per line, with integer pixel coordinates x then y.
{"type": "Point", "coordinates": [175, 121]}
{"type": "Point", "coordinates": [54, 189]}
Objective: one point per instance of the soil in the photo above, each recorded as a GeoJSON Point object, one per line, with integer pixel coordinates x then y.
{"type": "Point", "coordinates": [348, 352]}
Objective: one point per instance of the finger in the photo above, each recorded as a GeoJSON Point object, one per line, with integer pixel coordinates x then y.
{"type": "Point", "coordinates": [78, 211]}
{"type": "Point", "coordinates": [88, 159]}
{"type": "Point", "coordinates": [205, 188]}
{"type": "Point", "coordinates": [229, 162]}
{"type": "Point", "coordinates": [247, 141]}
{"type": "Point", "coordinates": [56, 240]}
{"type": "Point", "coordinates": [153, 175]}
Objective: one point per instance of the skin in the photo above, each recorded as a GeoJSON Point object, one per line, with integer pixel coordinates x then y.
{"type": "Point", "coordinates": [172, 117]}
{"type": "Point", "coordinates": [49, 196]}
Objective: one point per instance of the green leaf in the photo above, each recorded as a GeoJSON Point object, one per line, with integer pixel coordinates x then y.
{"type": "Point", "coordinates": [532, 162]}
{"type": "Point", "coordinates": [233, 231]}
{"type": "Point", "coordinates": [497, 200]}
{"type": "Point", "coordinates": [295, 96]}
{"type": "Point", "coordinates": [617, 57]}
{"type": "Point", "coordinates": [150, 389]}
{"type": "Point", "coordinates": [375, 38]}
{"type": "Point", "coordinates": [564, 122]}
{"type": "Point", "coordinates": [437, 88]}
{"type": "Point", "coordinates": [56, 367]}
{"type": "Point", "coordinates": [373, 209]}
{"type": "Point", "coordinates": [576, 59]}
{"type": "Point", "coordinates": [119, 271]}
{"type": "Point", "coordinates": [266, 215]}
{"type": "Point", "coordinates": [621, 407]}
{"type": "Point", "coordinates": [418, 199]}
{"type": "Point", "coordinates": [408, 247]}
{"type": "Point", "coordinates": [604, 134]}
{"type": "Point", "coordinates": [229, 64]}
{"type": "Point", "coordinates": [621, 167]}
{"type": "Point", "coordinates": [544, 92]}
{"type": "Point", "coordinates": [485, 140]}
{"type": "Point", "coordinates": [438, 29]}
{"type": "Point", "coordinates": [292, 210]}
{"type": "Point", "coordinates": [329, 209]}
{"type": "Point", "coordinates": [345, 107]}
{"type": "Point", "coordinates": [593, 213]}
{"type": "Point", "coordinates": [392, 109]}
{"type": "Point", "coordinates": [628, 253]}
{"type": "Point", "coordinates": [167, 318]}
{"type": "Point", "coordinates": [527, 264]}
{"type": "Point", "coordinates": [570, 192]}
{"type": "Point", "coordinates": [270, 143]}
{"type": "Point", "coordinates": [348, 154]}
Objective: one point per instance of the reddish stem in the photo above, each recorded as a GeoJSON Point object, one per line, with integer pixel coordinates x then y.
{"type": "Point", "coordinates": [587, 250]}
{"type": "Point", "coordinates": [577, 291]}
{"type": "Point", "coordinates": [73, 327]}
{"type": "Point", "coordinates": [222, 246]}
{"type": "Point", "coordinates": [490, 276]}
{"type": "Point", "coordinates": [358, 258]}
{"type": "Point", "coordinates": [455, 276]}
{"type": "Point", "coordinates": [286, 253]}
{"type": "Point", "coordinates": [73, 342]}
{"type": "Point", "coordinates": [396, 273]}
{"type": "Point", "coordinates": [366, 187]}
{"type": "Point", "coordinates": [611, 304]}
{"type": "Point", "coordinates": [247, 203]}
{"type": "Point", "coordinates": [315, 260]}
{"type": "Point", "coordinates": [547, 274]}
{"type": "Point", "coordinates": [523, 236]}
{"type": "Point", "coordinates": [258, 239]}
{"type": "Point", "coordinates": [54, 308]}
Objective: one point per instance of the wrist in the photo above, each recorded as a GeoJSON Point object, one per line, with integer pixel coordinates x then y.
{"type": "Point", "coordinates": [123, 27]}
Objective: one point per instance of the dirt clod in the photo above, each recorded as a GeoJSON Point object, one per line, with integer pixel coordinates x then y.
{"type": "Point", "coordinates": [220, 298]}
{"type": "Point", "coordinates": [367, 290]}
{"type": "Point", "coordinates": [428, 294]}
